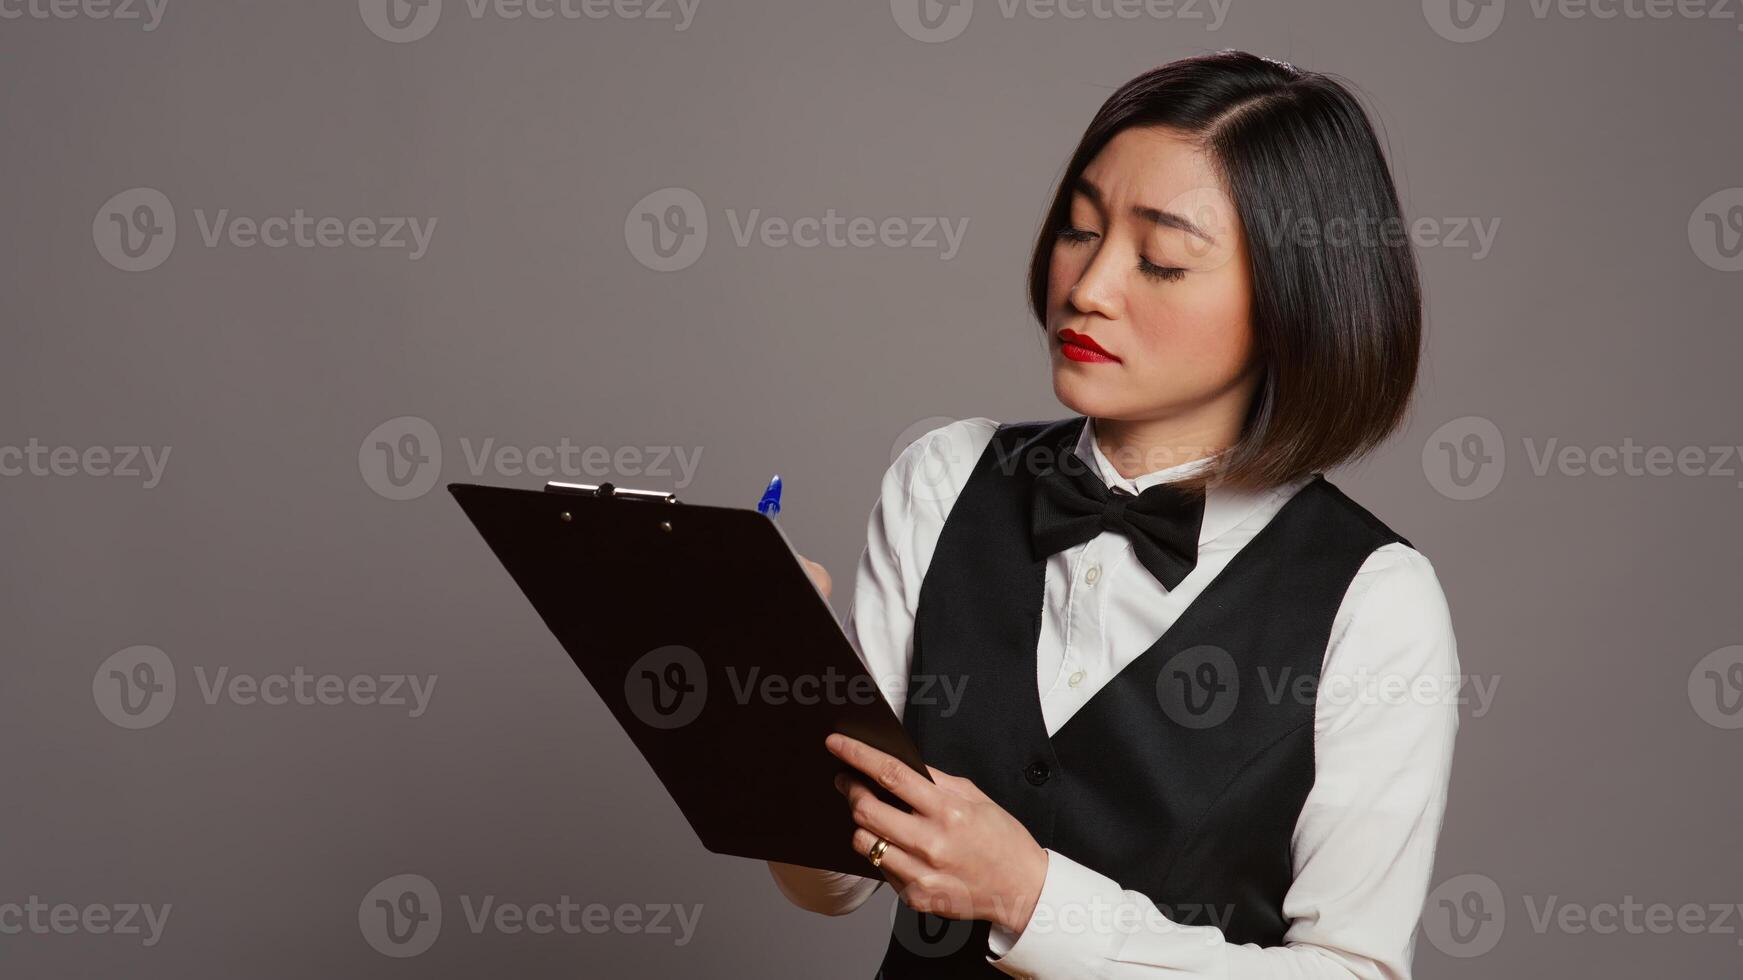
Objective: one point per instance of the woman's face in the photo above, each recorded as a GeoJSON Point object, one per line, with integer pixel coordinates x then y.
{"type": "Point", "coordinates": [1152, 267]}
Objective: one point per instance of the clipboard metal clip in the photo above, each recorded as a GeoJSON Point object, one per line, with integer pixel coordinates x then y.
{"type": "Point", "coordinates": [609, 490]}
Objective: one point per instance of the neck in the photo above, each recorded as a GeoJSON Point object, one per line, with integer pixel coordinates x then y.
{"type": "Point", "coordinates": [1139, 446]}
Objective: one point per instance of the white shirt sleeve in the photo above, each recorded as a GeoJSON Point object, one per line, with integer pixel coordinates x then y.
{"type": "Point", "coordinates": [1386, 716]}
{"type": "Point", "coordinates": [913, 501]}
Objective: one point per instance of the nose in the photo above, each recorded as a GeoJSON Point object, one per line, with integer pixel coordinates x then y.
{"type": "Point", "coordinates": [1098, 289]}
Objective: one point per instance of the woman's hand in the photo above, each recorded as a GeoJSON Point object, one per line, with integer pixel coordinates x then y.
{"type": "Point", "coordinates": [959, 855]}
{"type": "Point", "coordinates": [819, 574]}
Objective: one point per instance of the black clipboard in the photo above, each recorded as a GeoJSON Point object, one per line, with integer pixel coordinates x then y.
{"type": "Point", "coordinates": [713, 649]}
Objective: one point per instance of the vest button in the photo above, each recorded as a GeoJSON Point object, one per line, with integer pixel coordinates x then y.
{"type": "Point", "coordinates": [1036, 774]}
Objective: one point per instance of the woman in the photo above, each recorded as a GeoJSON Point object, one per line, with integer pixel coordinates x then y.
{"type": "Point", "coordinates": [1232, 758]}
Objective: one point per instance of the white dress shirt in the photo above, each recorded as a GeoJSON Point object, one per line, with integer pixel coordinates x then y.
{"type": "Point", "coordinates": [1386, 713]}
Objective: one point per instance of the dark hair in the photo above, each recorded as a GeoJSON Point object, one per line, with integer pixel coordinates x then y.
{"type": "Point", "coordinates": [1337, 326]}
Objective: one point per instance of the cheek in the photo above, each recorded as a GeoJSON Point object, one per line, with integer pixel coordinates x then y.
{"type": "Point", "coordinates": [1202, 327]}
{"type": "Point", "coordinates": [1063, 272]}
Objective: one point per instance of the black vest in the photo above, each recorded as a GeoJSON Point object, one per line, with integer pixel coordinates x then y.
{"type": "Point", "coordinates": [1183, 777]}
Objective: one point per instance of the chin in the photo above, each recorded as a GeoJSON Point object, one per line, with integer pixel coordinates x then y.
{"type": "Point", "coordinates": [1083, 395]}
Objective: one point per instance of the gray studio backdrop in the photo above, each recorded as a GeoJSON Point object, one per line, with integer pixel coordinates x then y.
{"type": "Point", "coordinates": [275, 271]}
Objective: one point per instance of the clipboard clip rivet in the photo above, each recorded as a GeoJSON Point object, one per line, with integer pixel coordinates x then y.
{"type": "Point", "coordinates": [565, 517]}
{"type": "Point", "coordinates": [665, 525]}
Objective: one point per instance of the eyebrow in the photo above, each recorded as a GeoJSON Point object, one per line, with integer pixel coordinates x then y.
{"type": "Point", "coordinates": [1165, 219]}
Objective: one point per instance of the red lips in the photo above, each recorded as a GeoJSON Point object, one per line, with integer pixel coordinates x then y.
{"type": "Point", "coordinates": [1082, 347]}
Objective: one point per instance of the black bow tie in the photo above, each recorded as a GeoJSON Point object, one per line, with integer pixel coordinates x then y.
{"type": "Point", "coordinates": [1072, 506]}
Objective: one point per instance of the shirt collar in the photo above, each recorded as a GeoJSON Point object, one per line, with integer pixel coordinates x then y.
{"type": "Point", "coordinates": [1224, 507]}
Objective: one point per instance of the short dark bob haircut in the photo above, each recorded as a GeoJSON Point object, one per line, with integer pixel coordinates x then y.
{"type": "Point", "coordinates": [1336, 296]}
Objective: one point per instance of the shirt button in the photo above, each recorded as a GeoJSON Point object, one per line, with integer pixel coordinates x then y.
{"type": "Point", "coordinates": [1093, 574]}
{"type": "Point", "coordinates": [1076, 678]}
{"type": "Point", "coordinates": [1036, 774]}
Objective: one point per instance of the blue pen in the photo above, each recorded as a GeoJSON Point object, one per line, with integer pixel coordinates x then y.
{"type": "Point", "coordinates": [771, 502]}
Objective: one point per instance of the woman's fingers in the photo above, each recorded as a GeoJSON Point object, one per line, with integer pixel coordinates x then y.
{"type": "Point", "coordinates": [919, 887]}
{"type": "Point", "coordinates": [881, 818]}
{"type": "Point", "coordinates": [889, 772]}
{"type": "Point", "coordinates": [897, 864]}
{"type": "Point", "coordinates": [819, 574]}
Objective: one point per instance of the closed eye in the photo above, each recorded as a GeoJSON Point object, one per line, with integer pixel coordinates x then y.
{"type": "Point", "coordinates": [1148, 269]}
{"type": "Point", "coordinates": [1159, 272]}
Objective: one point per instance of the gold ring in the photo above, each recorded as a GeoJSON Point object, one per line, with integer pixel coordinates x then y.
{"type": "Point", "coordinates": [877, 852]}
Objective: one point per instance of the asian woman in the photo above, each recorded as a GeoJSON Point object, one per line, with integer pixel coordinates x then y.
{"type": "Point", "coordinates": [1204, 703]}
